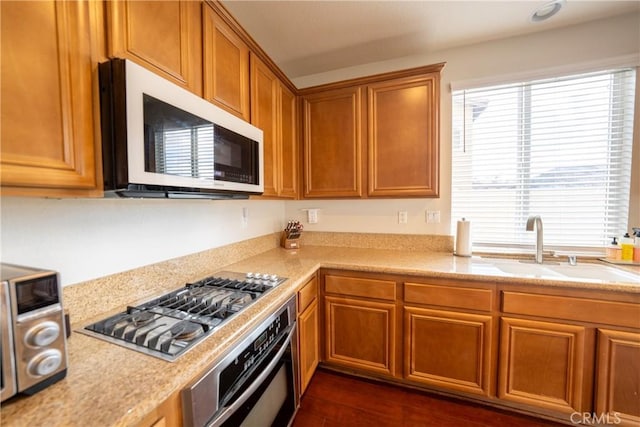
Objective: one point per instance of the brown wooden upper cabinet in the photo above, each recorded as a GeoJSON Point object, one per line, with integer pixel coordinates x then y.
{"type": "Point", "coordinates": [226, 65]}
{"type": "Point", "coordinates": [47, 125]}
{"type": "Point", "coordinates": [333, 143]}
{"type": "Point", "coordinates": [402, 136]}
{"type": "Point", "coordinates": [397, 114]}
{"type": "Point", "coordinates": [273, 109]}
{"type": "Point", "coordinates": [289, 143]}
{"type": "Point", "coordinates": [163, 36]}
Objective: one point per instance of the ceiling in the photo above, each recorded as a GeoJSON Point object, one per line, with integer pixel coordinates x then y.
{"type": "Point", "coordinates": [310, 37]}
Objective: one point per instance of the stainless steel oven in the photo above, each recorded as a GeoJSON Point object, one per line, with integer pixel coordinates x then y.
{"type": "Point", "coordinates": [253, 384]}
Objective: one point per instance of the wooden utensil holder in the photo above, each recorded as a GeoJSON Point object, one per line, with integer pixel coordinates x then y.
{"type": "Point", "coordinates": [288, 243]}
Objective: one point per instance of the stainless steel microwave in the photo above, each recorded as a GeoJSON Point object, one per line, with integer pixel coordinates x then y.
{"type": "Point", "coordinates": [160, 140]}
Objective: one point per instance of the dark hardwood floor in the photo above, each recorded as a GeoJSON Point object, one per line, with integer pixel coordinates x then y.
{"type": "Point", "coordinates": [336, 400]}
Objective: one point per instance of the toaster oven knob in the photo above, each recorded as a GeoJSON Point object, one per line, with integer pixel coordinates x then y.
{"type": "Point", "coordinates": [45, 363]}
{"type": "Point", "coordinates": [42, 334]}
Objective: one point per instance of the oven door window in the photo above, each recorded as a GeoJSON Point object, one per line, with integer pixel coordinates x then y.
{"type": "Point", "coordinates": [273, 403]}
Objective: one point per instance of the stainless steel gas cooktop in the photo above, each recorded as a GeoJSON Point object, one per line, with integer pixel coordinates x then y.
{"type": "Point", "coordinates": [169, 325]}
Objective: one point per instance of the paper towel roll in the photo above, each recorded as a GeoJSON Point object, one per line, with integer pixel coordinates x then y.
{"type": "Point", "coordinates": [463, 238]}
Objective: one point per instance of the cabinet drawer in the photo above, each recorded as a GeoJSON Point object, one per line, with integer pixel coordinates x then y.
{"type": "Point", "coordinates": [360, 287]}
{"type": "Point", "coordinates": [307, 294]}
{"type": "Point", "coordinates": [580, 309]}
{"type": "Point", "coordinates": [447, 296]}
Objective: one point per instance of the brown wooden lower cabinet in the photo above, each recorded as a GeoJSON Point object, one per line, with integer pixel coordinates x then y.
{"type": "Point", "coordinates": [308, 332]}
{"type": "Point", "coordinates": [309, 343]}
{"type": "Point", "coordinates": [617, 394]}
{"type": "Point", "coordinates": [360, 334]}
{"type": "Point", "coordinates": [168, 413]}
{"type": "Point", "coordinates": [546, 365]}
{"type": "Point", "coordinates": [448, 349]}
{"type": "Point", "coordinates": [569, 354]}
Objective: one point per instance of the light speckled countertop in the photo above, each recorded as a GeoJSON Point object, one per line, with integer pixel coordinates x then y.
{"type": "Point", "coordinates": [108, 385]}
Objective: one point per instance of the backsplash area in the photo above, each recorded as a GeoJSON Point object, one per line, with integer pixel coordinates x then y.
{"type": "Point", "coordinates": [85, 239]}
{"type": "Point", "coordinates": [126, 287]}
{"type": "Point", "coordinates": [408, 242]}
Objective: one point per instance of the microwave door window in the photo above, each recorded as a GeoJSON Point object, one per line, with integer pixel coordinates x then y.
{"type": "Point", "coordinates": [235, 157]}
{"type": "Point", "coordinates": [177, 142]}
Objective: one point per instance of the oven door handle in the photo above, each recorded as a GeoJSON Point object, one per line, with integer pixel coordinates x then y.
{"type": "Point", "coordinates": [228, 410]}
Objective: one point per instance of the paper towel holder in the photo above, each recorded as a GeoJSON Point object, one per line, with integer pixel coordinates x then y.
{"type": "Point", "coordinates": [463, 239]}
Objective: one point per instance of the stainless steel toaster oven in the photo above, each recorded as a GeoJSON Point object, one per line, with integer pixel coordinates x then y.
{"type": "Point", "coordinates": [32, 330]}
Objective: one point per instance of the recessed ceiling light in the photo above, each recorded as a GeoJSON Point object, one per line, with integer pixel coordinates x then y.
{"type": "Point", "coordinates": [547, 10]}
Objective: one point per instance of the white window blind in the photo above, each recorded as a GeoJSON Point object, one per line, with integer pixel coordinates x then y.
{"type": "Point", "coordinates": [185, 151]}
{"type": "Point", "coordinates": [559, 148]}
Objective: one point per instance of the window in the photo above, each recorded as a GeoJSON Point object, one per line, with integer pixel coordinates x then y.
{"type": "Point", "coordinates": [559, 148]}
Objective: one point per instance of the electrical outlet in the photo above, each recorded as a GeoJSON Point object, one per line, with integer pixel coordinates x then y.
{"type": "Point", "coordinates": [402, 217]}
{"type": "Point", "coordinates": [433, 217]}
{"type": "Point", "coordinates": [312, 216]}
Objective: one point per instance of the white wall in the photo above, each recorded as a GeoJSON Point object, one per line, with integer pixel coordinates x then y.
{"type": "Point", "coordinates": [89, 238]}
{"type": "Point", "coordinates": [370, 216]}
{"type": "Point", "coordinates": [576, 48]}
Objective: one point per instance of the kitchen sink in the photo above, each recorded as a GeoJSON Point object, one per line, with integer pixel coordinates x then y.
{"type": "Point", "coordinates": [596, 272]}
{"type": "Point", "coordinates": [562, 271]}
{"type": "Point", "coordinates": [526, 269]}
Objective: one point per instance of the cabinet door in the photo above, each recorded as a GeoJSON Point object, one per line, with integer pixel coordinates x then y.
{"type": "Point", "coordinates": [168, 413]}
{"type": "Point", "coordinates": [47, 125]}
{"type": "Point", "coordinates": [403, 137]}
{"type": "Point", "coordinates": [360, 334]}
{"type": "Point", "coordinates": [548, 365]}
{"type": "Point", "coordinates": [448, 349]}
{"type": "Point", "coordinates": [226, 65]}
{"type": "Point", "coordinates": [333, 143]}
{"type": "Point", "coordinates": [264, 115]}
{"type": "Point", "coordinates": [288, 137]}
{"type": "Point", "coordinates": [618, 377]}
{"type": "Point", "coordinates": [163, 36]}
{"type": "Point", "coordinates": [308, 323]}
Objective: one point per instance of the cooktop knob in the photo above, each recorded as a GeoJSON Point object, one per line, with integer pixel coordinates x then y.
{"type": "Point", "coordinates": [249, 275]}
{"type": "Point", "coordinates": [258, 276]}
{"type": "Point", "coordinates": [273, 278]}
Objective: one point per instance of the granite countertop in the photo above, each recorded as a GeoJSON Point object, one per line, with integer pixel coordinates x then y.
{"type": "Point", "coordinates": [108, 385]}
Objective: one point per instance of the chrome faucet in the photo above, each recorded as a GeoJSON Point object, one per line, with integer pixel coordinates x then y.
{"type": "Point", "coordinates": [537, 221]}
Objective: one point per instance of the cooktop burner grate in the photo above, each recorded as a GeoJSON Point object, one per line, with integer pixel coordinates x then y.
{"type": "Point", "coordinates": [169, 325]}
